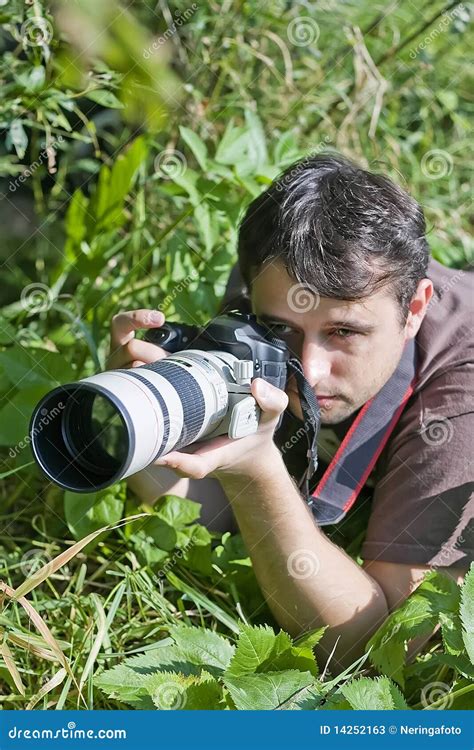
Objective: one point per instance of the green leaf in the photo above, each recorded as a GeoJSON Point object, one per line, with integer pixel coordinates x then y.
{"type": "Point", "coordinates": [104, 97]}
{"type": "Point", "coordinates": [379, 694]}
{"type": "Point", "coordinates": [255, 644]}
{"type": "Point", "coordinates": [466, 612]}
{"type": "Point", "coordinates": [197, 146]}
{"type": "Point", "coordinates": [126, 685]}
{"type": "Point", "coordinates": [75, 223]}
{"type": "Point", "coordinates": [175, 691]}
{"type": "Point", "coordinates": [31, 367]}
{"type": "Point", "coordinates": [199, 598]}
{"type": "Point", "coordinates": [310, 639]}
{"type": "Point", "coordinates": [177, 511]}
{"type": "Point", "coordinates": [451, 632]}
{"type": "Point", "coordinates": [268, 691]}
{"type": "Point", "coordinates": [16, 414]}
{"type": "Point", "coordinates": [17, 138]}
{"type": "Point", "coordinates": [232, 553]}
{"type": "Point", "coordinates": [260, 650]}
{"type": "Point", "coordinates": [202, 646]}
{"type": "Point", "coordinates": [88, 512]}
{"type": "Point", "coordinates": [417, 616]}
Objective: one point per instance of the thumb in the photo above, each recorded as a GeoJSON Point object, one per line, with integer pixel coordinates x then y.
{"type": "Point", "coordinates": [271, 400]}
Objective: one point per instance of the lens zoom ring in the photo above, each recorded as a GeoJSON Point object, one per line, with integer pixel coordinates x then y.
{"type": "Point", "coordinates": [191, 397]}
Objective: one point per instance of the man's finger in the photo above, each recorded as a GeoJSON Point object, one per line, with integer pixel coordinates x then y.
{"type": "Point", "coordinates": [188, 464]}
{"type": "Point", "coordinates": [137, 350]}
{"type": "Point", "coordinates": [124, 325]}
{"type": "Point", "coordinates": [271, 400]}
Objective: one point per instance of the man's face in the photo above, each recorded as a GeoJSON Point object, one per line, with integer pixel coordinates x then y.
{"type": "Point", "coordinates": [348, 350]}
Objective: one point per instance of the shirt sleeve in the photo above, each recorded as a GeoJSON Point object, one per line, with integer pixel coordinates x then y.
{"type": "Point", "coordinates": [423, 502]}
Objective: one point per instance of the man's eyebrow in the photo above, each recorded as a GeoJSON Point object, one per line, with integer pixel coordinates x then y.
{"type": "Point", "coordinates": [354, 323]}
{"type": "Point", "coordinates": [274, 319]}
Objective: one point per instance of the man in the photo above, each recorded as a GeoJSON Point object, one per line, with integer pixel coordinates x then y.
{"type": "Point", "coordinates": [334, 259]}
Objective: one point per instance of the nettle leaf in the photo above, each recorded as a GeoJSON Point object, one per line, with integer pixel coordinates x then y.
{"type": "Point", "coordinates": [451, 632]}
{"type": "Point", "coordinates": [417, 616]}
{"type": "Point", "coordinates": [175, 691]}
{"type": "Point", "coordinates": [203, 647]}
{"type": "Point", "coordinates": [379, 694]}
{"type": "Point", "coordinates": [126, 685]}
{"type": "Point", "coordinates": [260, 650]}
{"type": "Point", "coordinates": [267, 691]}
{"type": "Point", "coordinates": [466, 612]}
{"type": "Point", "coordinates": [255, 644]}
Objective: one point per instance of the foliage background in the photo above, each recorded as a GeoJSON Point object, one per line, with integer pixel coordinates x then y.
{"type": "Point", "coordinates": [132, 138]}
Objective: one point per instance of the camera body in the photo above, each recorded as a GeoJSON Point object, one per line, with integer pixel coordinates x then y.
{"type": "Point", "coordinates": [254, 353]}
{"type": "Point", "coordinates": [111, 425]}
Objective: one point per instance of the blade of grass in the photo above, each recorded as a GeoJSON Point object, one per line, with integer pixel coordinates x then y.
{"type": "Point", "coordinates": [46, 688]}
{"type": "Point", "coordinates": [206, 603]}
{"type": "Point", "coordinates": [11, 666]}
{"type": "Point", "coordinates": [101, 632]}
{"type": "Point", "coordinates": [51, 567]}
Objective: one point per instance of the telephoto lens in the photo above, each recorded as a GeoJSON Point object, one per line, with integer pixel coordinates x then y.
{"type": "Point", "coordinates": [92, 433]}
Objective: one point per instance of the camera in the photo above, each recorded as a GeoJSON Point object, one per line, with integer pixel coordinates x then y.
{"type": "Point", "coordinates": [111, 425]}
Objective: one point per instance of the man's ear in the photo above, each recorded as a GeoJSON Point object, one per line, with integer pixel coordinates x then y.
{"type": "Point", "coordinates": [417, 308]}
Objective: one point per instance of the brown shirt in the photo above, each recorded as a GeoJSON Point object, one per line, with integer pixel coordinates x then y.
{"type": "Point", "coordinates": [420, 506]}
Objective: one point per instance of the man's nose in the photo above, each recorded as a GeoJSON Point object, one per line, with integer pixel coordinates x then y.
{"type": "Point", "coordinates": [316, 362]}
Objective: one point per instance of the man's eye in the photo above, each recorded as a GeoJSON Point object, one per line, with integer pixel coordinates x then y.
{"type": "Point", "coordinates": [345, 333]}
{"type": "Point", "coordinates": [280, 329]}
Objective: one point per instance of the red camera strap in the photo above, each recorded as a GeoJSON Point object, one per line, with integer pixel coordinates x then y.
{"type": "Point", "coordinates": [355, 458]}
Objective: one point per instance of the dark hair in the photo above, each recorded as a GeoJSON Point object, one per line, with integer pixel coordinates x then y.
{"type": "Point", "coordinates": [337, 228]}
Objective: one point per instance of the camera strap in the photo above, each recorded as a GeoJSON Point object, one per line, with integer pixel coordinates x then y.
{"type": "Point", "coordinates": [311, 418]}
{"type": "Point", "coordinates": [355, 458]}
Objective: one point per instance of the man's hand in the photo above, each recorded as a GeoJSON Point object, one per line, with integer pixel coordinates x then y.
{"type": "Point", "coordinates": [127, 351]}
{"type": "Point", "coordinates": [247, 456]}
